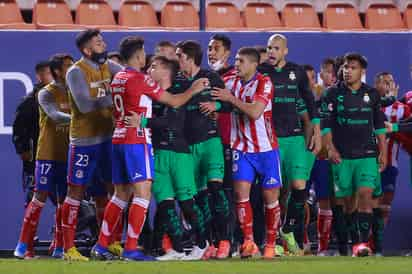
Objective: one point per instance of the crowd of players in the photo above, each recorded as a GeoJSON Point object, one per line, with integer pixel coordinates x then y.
{"type": "Point", "coordinates": [229, 153]}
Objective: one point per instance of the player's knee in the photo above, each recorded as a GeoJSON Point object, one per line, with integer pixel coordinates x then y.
{"type": "Point", "coordinates": [299, 184]}
{"type": "Point", "coordinates": [164, 206]}
{"type": "Point", "coordinates": [75, 192]}
{"type": "Point", "coordinates": [298, 195]}
{"type": "Point", "coordinates": [41, 196]}
{"type": "Point", "coordinates": [365, 194]}
{"type": "Point", "coordinates": [215, 186]}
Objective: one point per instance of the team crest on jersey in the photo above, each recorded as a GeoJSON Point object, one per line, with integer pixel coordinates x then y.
{"type": "Point", "coordinates": [330, 107]}
{"type": "Point", "coordinates": [366, 98]}
{"type": "Point", "coordinates": [235, 168]}
{"type": "Point", "coordinates": [292, 76]}
{"type": "Point", "coordinates": [43, 180]}
{"type": "Point", "coordinates": [79, 174]}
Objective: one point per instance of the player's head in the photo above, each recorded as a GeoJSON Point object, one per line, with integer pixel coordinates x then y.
{"type": "Point", "coordinates": [91, 45]}
{"type": "Point", "coordinates": [115, 57]}
{"type": "Point", "coordinates": [189, 54]}
{"type": "Point", "coordinates": [383, 83]}
{"type": "Point", "coordinates": [162, 68]}
{"type": "Point", "coordinates": [167, 49]}
{"type": "Point", "coordinates": [339, 60]}
{"type": "Point", "coordinates": [327, 72]}
{"type": "Point", "coordinates": [132, 51]}
{"type": "Point", "coordinates": [59, 64]}
{"type": "Point", "coordinates": [246, 62]}
{"type": "Point", "coordinates": [43, 74]}
{"type": "Point", "coordinates": [263, 53]}
{"type": "Point", "coordinates": [311, 73]}
{"type": "Point", "coordinates": [218, 51]}
{"type": "Point", "coordinates": [354, 67]}
{"type": "Point", "coordinates": [277, 49]}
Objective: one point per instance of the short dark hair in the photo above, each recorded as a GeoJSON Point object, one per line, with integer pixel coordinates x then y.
{"type": "Point", "coordinates": [129, 45]}
{"type": "Point", "coordinates": [380, 74]}
{"type": "Point", "coordinates": [114, 54]}
{"type": "Point", "coordinates": [226, 42]}
{"type": "Point", "coordinates": [41, 65]}
{"type": "Point", "coordinates": [56, 62]}
{"type": "Point", "coordinates": [308, 67]}
{"type": "Point", "coordinates": [327, 61]}
{"type": "Point", "coordinates": [251, 53]}
{"type": "Point", "coordinates": [353, 56]}
{"type": "Point", "coordinates": [192, 49]}
{"type": "Point", "coordinates": [165, 43]}
{"type": "Point", "coordinates": [171, 65]}
{"type": "Point", "coordinates": [261, 49]}
{"type": "Point", "coordinates": [85, 36]}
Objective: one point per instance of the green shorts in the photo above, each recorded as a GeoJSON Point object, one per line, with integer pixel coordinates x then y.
{"type": "Point", "coordinates": [209, 164]}
{"type": "Point", "coordinates": [174, 176]}
{"type": "Point", "coordinates": [351, 174]}
{"type": "Point", "coordinates": [296, 160]}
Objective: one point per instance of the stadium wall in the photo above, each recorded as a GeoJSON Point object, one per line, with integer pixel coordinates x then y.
{"type": "Point", "coordinates": [20, 51]}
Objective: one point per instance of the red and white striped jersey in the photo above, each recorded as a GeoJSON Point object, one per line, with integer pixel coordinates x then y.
{"type": "Point", "coordinates": [394, 113]}
{"type": "Point", "coordinates": [246, 134]}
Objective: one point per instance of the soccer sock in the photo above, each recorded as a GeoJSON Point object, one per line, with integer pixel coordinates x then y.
{"type": "Point", "coordinates": [365, 221]}
{"type": "Point", "coordinates": [295, 217]}
{"type": "Point", "coordinates": [136, 219]}
{"type": "Point", "coordinates": [70, 211]}
{"type": "Point", "coordinates": [341, 230]}
{"type": "Point", "coordinates": [194, 216]}
{"type": "Point", "coordinates": [352, 226]}
{"type": "Point", "coordinates": [58, 234]}
{"type": "Point", "coordinates": [378, 226]}
{"type": "Point", "coordinates": [221, 209]}
{"type": "Point", "coordinates": [118, 230]}
{"type": "Point", "coordinates": [245, 217]}
{"type": "Point", "coordinates": [168, 215]}
{"type": "Point", "coordinates": [324, 227]}
{"type": "Point", "coordinates": [112, 216]}
{"type": "Point", "coordinates": [202, 201]}
{"type": "Point", "coordinates": [30, 221]}
{"type": "Point", "coordinates": [272, 218]}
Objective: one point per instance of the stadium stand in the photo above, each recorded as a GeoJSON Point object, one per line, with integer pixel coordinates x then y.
{"type": "Point", "coordinates": [341, 15]}
{"type": "Point", "coordinates": [383, 15]}
{"type": "Point", "coordinates": [95, 13]}
{"type": "Point", "coordinates": [261, 15]}
{"type": "Point", "coordinates": [137, 14]}
{"type": "Point", "coordinates": [300, 15]}
{"type": "Point", "coordinates": [180, 15]}
{"type": "Point", "coordinates": [215, 11]}
{"type": "Point", "coordinates": [52, 14]}
{"type": "Point", "coordinates": [10, 16]}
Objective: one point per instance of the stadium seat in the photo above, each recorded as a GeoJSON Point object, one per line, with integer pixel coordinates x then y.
{"type": "Point", "coordinates": [223, 15]}
{"type": "Point", "coordinates": [95, 13]}
{"type": "Point", "coordinates": [341, 17]}
{"type": "Point", "coordinates": [407, 15]}
{"type": "Point", "coordinates": [365, 4]}
{"type": "Point", "coordinates": [180, 15]}
{"type": "Point", "coordinates": [137, 14]}
{"type": "Point", "coordinates": [10, 16]}
{"type": "Point", "coordinates": [52, 14]}
{"type": "Point", "coordinates": [261, 16]}
{"type": "Point", "coordinates": [383, 17]}
{"type": "Point", "coordinates": [321, 5]}
{"type": "Point", "coordinates": [300, 16]}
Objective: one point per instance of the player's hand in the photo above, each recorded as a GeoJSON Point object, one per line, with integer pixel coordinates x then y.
{"type": "Point", "coordinates": [222, 94]}
{"type": "Point", "coordinates": [199, 85]}
{"type": "Point", "coordinates": [382, 160]}
{"type": "Point", "coordinates": [389, 127]}
{"type": "Point", "coordinates": [207, 108]}
{"type": "Point", "coordinates": [133, 120]}
{"type": "Point", "coordinates": [27, 156]}
{"type": "Point", "coordinates": [393, 89]}
{"type": "Point", "coordinates": [315, 144]}
{"type": "Point", "coordinates": [334, 156]}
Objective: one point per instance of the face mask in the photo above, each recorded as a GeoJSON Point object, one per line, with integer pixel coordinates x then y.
{"type": "Point", "coordinates": [99, 58]}
{"type": "Point", "coordinates": [216, 66]}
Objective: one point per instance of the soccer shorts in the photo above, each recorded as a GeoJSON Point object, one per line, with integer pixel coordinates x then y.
{"type": "Point", "coordinates": [87, 163]}
{"type": "Point", "coordinates": [296, 160]}
{"type": "Point", "coordinates": [174, 175]}
{"type": "Point", "coordinates": [351, 174]}
{"type": "Point", "coordinates": [321, 179]}
{"type": "Point", "coordinates": [264, 166]}
{"type": "Point", "coordinates": [132, 163]}
{"type": "Point", "coordinates": [388, 178]}
{"type": "Point", "coordinates": [208, 162]}
{"type": "Point", "coordinates": [51, 176]}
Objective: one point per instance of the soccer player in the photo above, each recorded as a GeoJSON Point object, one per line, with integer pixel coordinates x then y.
{"type": "Point", "coordinates": [51, 156]}
{"type": "Point", "coordinates": [206, 146]}
{"type": "Point", "coordinates": [166, 49]}
{"type": "Point", "coordinates": [292, 96]}
{"type": "Point", "coordinates": [133, 161]}
{"type": "Point", "coordinates": [91, 128]}
{"type": "Point", "coordinates": [355, 140]}
{"type": "Point", "coordinates": [254, 146]}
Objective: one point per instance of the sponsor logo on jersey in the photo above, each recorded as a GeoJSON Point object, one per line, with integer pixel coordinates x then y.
{"type": "Point", "coordinates": [235, 167]}
{"type": "Point", "coordinates": [79, 174]}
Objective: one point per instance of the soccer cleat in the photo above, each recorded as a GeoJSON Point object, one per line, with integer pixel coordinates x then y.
{"type": "Point", "coordinates": [197, 253]}
{"type": "Point", "coordinates": [361, 250]}
{"type": "Point", "coordinates": [136, 255]}
{"type": "Point", "coordinates": [210, 253]}
{"type": "Point", "coordinates": [223, 250]}
{"type": "Point", "coordinates": [172, 255]}
{"type": "Point", "coordinates": [52, 247]}
{"type": "Point", "coordinates": [58, 253]}
{"type": "Point", "coordinates": [72, 254]}
{"type": "Point", "coordinates": [116, 249]}
{"type": "Point", "coordinates": [269, 252]}
{"type": "Point", "coordinates": [292, 245]}
{"type": "Point", "coordinates": [99, 253]}
{"type": "Point", "coordinates": [248, 249]}
{"type": "Point", "coordinates": [29, 255]}
{"type": "Point", "coordinates": [20, 250]}
{"type": "Point", "coordinates": [279, 251]}
{"type": "Point", "coordinates": [167, 244]}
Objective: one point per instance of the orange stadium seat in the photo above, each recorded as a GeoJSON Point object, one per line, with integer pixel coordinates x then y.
{"type": "Point", "coordinates": [52, 14]}
{"type": "Point", "coordinates": [341, 17]}
{"type": "Point", "coordinates": [383, 17]}
{"type": "Point", "coordinates": [407, 15]}
{"type": "Point", "coordinates": [261, 16]}
{"type": "Point", "coordinates": [137, 14]}
{"type": "Point", "coordinates": [182, 15]}
{"type": "Point", "coordinates": [10, 16]}
{"type": "Point", "coordinates": [95, 13]}
{"type": "Point", "coordinates": [300, 16]}
{"type": "Point", "coordinates": [223, 15]}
